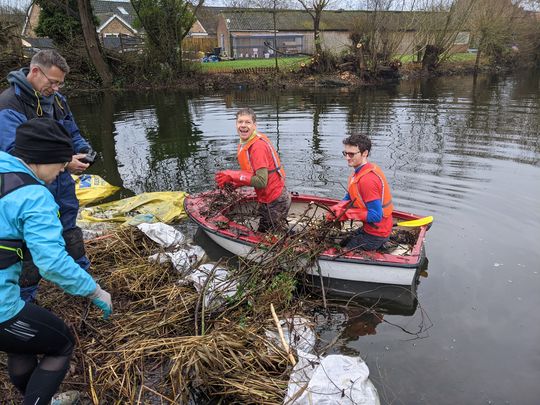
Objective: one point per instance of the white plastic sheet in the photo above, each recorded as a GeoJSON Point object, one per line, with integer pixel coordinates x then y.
{"type": "Point", "coordinates": [215, 281]}
{"type": "Point", "coordinates": [334, 379]}
{"type": "Point", "coordinates": [298, 334]}
{"type": "Point", "coordinates": [182, 259]}
{"type": "Point", "coordinates": [163, 234]}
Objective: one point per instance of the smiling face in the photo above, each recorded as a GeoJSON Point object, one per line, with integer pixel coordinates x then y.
{"type": "Point", "coordinates": [245, 126]}
{"type": "Point", "coordinates": [46, 81]}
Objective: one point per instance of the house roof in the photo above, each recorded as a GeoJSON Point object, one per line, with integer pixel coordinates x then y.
{"type": "Point", "coordinates": [331, 20]}
{"type": "Point", "coordinates": [104, 10]}
{"type": "Point", "coordinates": [113, 17]}
{"type": "Point", "coordinates": [208, 17]}
{"type": "Point", "coordinates": [39, 43]}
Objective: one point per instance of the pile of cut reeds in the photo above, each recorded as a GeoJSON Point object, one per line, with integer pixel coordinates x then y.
{"type": "Point", "coordinates": [162, 345]}
{"type": "Point", "coordinates": [151, 349]}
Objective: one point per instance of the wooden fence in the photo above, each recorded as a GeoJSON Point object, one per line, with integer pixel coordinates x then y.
{"type": "Point", "coordinates": [196, 44]}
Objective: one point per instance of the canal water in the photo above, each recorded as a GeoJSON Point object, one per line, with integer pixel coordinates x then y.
{"type": "Point", "coordinates": [465, 151]}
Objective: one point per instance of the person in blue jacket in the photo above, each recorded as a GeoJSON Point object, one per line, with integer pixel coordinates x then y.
{"type": "Point", "coordinates": [33, 93]}
{"type": "Point", "coordinates": [29, 221]}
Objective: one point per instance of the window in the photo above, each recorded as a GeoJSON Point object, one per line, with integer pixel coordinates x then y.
{"type": "Point", "coordinates": [122, 10]}
{"type": "Point", "coordinates": [462, 38]}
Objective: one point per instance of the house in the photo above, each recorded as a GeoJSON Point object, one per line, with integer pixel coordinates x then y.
{"type": "Point", "coordinates": [116, 18]}
{"type": "Point", "coordinates": [116, 23]}
{"type": "Point", "coordinates": [203, 34]}
{"type": "Point", "coordinates": [249, 33]}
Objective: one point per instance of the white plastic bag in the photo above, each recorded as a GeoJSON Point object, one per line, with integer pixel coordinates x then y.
{"type": "Point", "coordinates": [163, 234]}
{"type": "Point", "coordinates": [181, 259]}
{"type": "Point", "coordinates": [298, 334]}
{"type": "Point", "coordinates": [217, 288]}
{"type": "Point", "coordinates": [335, 379]}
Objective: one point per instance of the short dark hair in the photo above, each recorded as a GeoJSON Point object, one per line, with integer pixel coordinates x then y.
{"type": "Point", "coordinates": [360, 140]}
{"type": "Point", "coordinates": [48, 58]}
{"type": "Point", "coordinates": [246, 111]}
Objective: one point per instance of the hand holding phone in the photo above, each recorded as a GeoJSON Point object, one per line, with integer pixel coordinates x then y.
{"type": "Point", "coordinates": [90, 157]}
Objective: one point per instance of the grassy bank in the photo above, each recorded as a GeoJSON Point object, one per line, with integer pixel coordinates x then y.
{"type": "Point", "coordinates": [457, 57]}
{"type": "Point", "coordinates": [231, 65]}
{"type": "Point", "coordinates": [295, 63]}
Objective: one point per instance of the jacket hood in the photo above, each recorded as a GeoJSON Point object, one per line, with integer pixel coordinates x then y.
{"type": "Point", "coordinates": [18, 78]}
{"type": "Point", "coordinates": [10, 163]}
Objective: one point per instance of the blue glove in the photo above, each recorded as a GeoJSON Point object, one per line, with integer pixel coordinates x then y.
{"type": "Point", "coordinates": [102, 299]}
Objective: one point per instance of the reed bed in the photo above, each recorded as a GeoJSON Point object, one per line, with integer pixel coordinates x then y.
{"type": "Point", "coordinates": [163, 343]}
{"type": "Point", "coordinates": [151, 350]}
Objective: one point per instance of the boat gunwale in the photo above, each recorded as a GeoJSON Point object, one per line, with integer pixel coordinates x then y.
{"type": "Point", "coordinates": [413, 260]}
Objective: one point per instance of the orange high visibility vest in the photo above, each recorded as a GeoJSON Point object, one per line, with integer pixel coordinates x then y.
{"type": "Point", "coordinates": [245, 161]}
{"type": "Point", "coordinates": [354, 191]}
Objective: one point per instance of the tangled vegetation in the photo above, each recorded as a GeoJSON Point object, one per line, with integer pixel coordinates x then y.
{"type": "Point", "coordinates": [166, 343]}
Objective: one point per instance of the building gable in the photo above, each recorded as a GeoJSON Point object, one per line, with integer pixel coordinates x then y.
{"type": "Point", "coordinates": [116, 25]}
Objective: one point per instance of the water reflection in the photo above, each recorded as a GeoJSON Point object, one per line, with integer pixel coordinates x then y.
{"type": "Point", "coordinates": [463, 150]}
{"type": "Point", "coordinates": [349, 321]}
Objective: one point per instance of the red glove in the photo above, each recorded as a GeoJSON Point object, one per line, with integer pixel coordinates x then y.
{"type": "Point", "coordinates": [223, 177]}
{"type": "Point", "coordinates": [237, 178]}
{"type": "Point", "coordinates": [240, 178]}
{"type": "Point", "coordinates": [356, 214]}
{"type": "Point", "coordinates": [337, 210]}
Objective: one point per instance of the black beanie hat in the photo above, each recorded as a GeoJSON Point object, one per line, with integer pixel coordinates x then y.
{"type": "Point", "coordinates": [42, 140]}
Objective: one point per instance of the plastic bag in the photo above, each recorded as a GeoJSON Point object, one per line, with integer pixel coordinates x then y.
{"type": "Point", "coordinates": [298, 334]}
{"type": "Point", "coordinates": [163, 234]}
{"type": "Point", "coordinates": [90, 188]}
{"type": "Point", "coordinates": [215, 282]}
{"type": "Point", "coordinates": [160, 206]}
{"type": "Point", "coordinates": [335, 379]}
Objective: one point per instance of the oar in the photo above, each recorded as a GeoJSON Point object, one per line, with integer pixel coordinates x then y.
{"type": "Point", "coordinates": [416, 222]}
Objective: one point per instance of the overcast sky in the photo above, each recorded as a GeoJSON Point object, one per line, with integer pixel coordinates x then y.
{"type": "Point", "coordinates": [346, 4]}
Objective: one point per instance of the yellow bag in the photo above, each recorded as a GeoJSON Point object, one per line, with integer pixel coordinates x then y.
{"type": "Point", "coordinates": [90, 188]}
{"type": "Point", "coordinates": [159, 206]}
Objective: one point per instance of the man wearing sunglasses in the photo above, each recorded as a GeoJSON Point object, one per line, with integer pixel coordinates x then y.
{"type": "Point", "coordinates": [368, 198]}
{"type": "Point", "coordinates": [33, 93]}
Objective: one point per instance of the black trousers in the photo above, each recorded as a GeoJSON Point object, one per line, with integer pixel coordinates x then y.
{"type": "Point", "coordinates": [35, 331]}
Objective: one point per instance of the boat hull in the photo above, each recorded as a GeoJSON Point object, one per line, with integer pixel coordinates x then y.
{"type": "Point", "coordinates": [344, 270]}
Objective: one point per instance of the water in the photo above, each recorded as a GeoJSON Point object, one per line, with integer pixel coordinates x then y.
{"type": "Point", "coordinates": [466, 152]}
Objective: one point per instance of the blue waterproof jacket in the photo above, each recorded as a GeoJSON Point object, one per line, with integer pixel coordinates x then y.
{"type": "Point", "coordinates": [20, 103]}
{"type": "Point", "coordinates": [29, 213]}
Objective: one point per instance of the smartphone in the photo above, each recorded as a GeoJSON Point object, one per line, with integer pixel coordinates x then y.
{"type": "Point", "coordinates": [90, 157]}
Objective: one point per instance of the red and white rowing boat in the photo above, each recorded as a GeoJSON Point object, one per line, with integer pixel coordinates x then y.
{"type": "Point", "coordinates": [397, 264]}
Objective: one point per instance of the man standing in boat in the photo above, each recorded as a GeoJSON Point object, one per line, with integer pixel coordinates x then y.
{"type": "Point", "coordinates": [368, 198]}
{"type": "Point", "coordinates": [260, 167]}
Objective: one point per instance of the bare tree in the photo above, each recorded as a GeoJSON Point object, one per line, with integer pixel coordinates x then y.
{"type": "Point", "coordinates": [440, 25]}
{"type": "Point", "coordinates": [315, 9]}
{"type": "Point", "coordinates": [91, 41]}
{"type": "Point", "coordinates": [83, 14]}
{"type": "Point", "coordinates": [11, 19]}
{"type": "Point", "coordinates": [493, 24]}
{"type": "Point", "coordinates": [379, 31]}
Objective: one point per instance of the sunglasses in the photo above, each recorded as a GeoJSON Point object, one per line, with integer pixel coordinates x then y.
{"type": "Point", "coordinates": [349, 154]}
